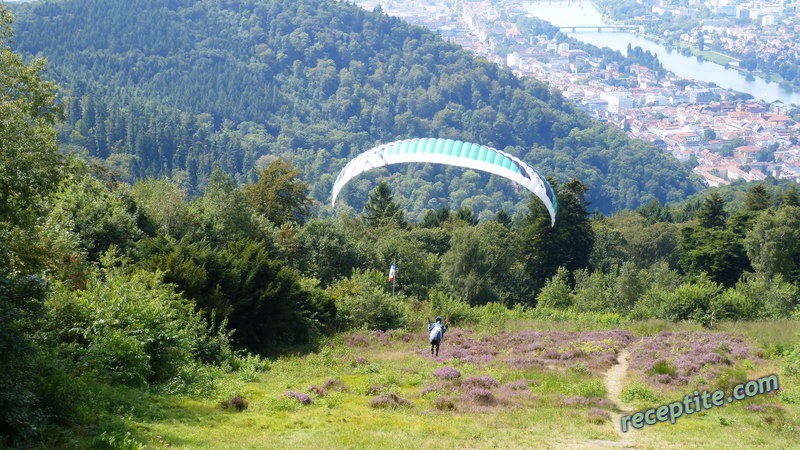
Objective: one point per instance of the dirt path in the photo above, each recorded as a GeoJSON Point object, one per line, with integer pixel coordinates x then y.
{"type": "Point", "coordinates": [615, 377]}
{"type": "Point", "coordinates": [614, 382]}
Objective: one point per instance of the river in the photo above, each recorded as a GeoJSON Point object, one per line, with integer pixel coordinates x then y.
{"type": "Point", "coordinates": [584, 13]}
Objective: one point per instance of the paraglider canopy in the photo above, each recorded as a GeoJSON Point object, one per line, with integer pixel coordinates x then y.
{"type": "Point", "coordinates": [454, 153]}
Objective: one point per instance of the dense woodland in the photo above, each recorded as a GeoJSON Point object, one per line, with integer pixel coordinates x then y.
{"type": "Point", "coordinates": [178, 88]}
{"type": "Point", "coordinates": [112, 290]}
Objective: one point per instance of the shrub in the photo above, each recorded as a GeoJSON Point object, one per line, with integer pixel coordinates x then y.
{"type": "Point", "coordinates": [391, 400]}
{"type": "Point", "coordinates": [594, 291]}
{"type": "Point", "coordinates": [458, 311]}
{"type": "Point", "coordinates": [334, 384]}
{"type": "Point", "coordinates": [359, 361]}
{"type": "Point", "coordinates": [116, 440]}
{"type": "Point", "coordinates": [521, 385]}
{"type": "Point", "coordinates": [480, 396]}
{"type": "Point", "coordinates": [638, 392]}
{"type": "Point", "coordinates": [447, 373]}
{"type": "Point", "coordinates": [268, 305]}
{"type": "Point", "coordinates": [676, 358]}
{"type": "Point", "coordinates": [127, 327]}
{"type": "Point", "coordinates": [119, 358]}
{"type": "Point", "coordinates": [689, 301]}
{"type": "Point", "coordinates": [301, 398]}
{"type": "Point", "coordinates": [249, 366]}
{"type": "Point", "coordinates": [432, 388]}
{"type": "Point", "coordinates": [579, 400]}
{"type": "Point", "coordinates": [598, 416]}
{"type": "Point", "coordinates": [444, 403]}
{"type": "Point", "coordinates": [361, 302]}
{"type": "Point", "coordinates": [556, 293]}
{"type": "Point", "coordinates": [733, 304]}
{"type": "Point", "coordinates": [593, 388]}
{"type": "Point", "coordinates": [770, 298]}
{"type": "Point", "coordinates": [377, 389]}
{"type": "Point", "coordinates": [479, 382]}
{"type": "Point", "coordinates": [236, 403]}
{"type": "Point", "coordinates": [662, 367]}
{"type": "Point", "coordinates": [317, 390]}
{"type": "Point", "coordinates": [356, 340]}
{"type": "Point", "coordinates": [791, 363]}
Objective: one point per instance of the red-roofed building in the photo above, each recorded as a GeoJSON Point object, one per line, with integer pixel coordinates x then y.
{"type": "Point", "coordinates": [746, 152]}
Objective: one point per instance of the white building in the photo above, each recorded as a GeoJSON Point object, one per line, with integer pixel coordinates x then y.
{"type": "Point", "coordinates": [617, 101]}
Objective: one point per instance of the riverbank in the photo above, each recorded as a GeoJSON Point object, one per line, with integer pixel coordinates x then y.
{"type": "Point", "coordinates": [721, 59]}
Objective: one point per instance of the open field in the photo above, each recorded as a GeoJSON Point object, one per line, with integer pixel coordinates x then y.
{"type": "Point", "coordinates": [534, 384]}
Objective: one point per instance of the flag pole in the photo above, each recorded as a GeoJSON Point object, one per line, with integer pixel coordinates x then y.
{"type": "Point", "coordinates": [393, 276]}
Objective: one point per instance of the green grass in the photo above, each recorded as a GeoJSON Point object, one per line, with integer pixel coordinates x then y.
{"type": "Point", "coordinates": [714, 57]}
{"type": "Point", "coordinates": [768, 334]}
{"type": "Point", "coordinates": [540, 418]}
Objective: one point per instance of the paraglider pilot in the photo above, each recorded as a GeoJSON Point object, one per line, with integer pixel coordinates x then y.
{"type": "Point", "coordinates": [437, 330]}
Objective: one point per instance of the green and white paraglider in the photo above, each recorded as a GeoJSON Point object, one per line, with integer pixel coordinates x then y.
{"type": "Point", "coordinates": [453, 153]}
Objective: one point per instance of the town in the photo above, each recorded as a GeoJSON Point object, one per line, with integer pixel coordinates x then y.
{"type": "Point", "coordinates": [724, 135]}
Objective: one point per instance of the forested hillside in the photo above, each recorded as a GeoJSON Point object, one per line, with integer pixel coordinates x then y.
{"type": "Point", "coordinates": [178, 87]}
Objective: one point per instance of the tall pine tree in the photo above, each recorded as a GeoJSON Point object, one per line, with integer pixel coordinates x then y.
{"type": "Point", "coordinates": [381, 209]}
{"type": "Point", "coordinates": [566, 244]}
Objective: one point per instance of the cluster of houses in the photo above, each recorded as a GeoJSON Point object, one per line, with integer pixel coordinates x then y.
{"type": "Point", "coordinates": [772, 34]}
{"type": "Point", "coordinates": [725, 137]}
{"type": "Point", "coordinates": [695, 123]}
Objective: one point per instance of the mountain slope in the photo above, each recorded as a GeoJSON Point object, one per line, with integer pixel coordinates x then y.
{"type": "Point", "coordinates": [176, 87]}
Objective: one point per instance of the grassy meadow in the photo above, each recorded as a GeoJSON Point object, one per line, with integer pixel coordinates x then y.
{"type": "Point", "coordinates": [519, 384]}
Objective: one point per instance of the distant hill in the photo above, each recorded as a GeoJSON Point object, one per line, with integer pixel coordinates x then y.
{"type": "Point", "coordinates": [176, 87]}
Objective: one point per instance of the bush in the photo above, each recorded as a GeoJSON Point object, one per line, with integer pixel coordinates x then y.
{"type": "Point", "coordinates": [19, 412]}
{"type": "Point", "coordinates": [689, 301]}
{"type": "Point", "coordinates": [481, 396]}
{"type": "Point", "coordinates": [593, 388]}
{"type": "Point", "coordinates": [598, 416]}
{"type": "Point", "coordinates": [457, 311]}
{"type": "Point", "coordinates": [638, 392]}
{"type": "Point", "coordinates": [249, 366]}
{"type": "Point", "coordinates": [444, 403]}
{"type": "Point", "coordinates": [334, 384]}
{"type": "Point", "coordinates": [447, 373]}
{"type": "Point", "coordinates": [556, 293]}
{"type": "Point", "coordinates": [791, 363]}
{"type": "Point", "coordinates": [197, 380]}
{"type": "Point", "coordinates": [377, 389]}
{"type": "Point", "coordinates": [118, 357]}
{"type": "Point", "coordinates": [662, 367]}
{"type": "Point", "coordinates": [391, 400]}
{"type": "Point", "coordinates": [117, 440]}
{"type": "Point", "coordinates": [236, 403]}
{"type": "Point", "coordinates": [733, 304]}
{"type": "Point", "coordinates": [768, 298]}
{"type": "Point", "coordinates": [127, 328]}
{"type": "Point", "coordinates": [481, 382]}
{"type": "Point", "coordinates": [594, 291]}
{"type": "Point", "coordinates": [362, 303]}
{"type": "Point", "coordinates": [299, 397]}
{"type": "Point", "coordinates": [266, 302]}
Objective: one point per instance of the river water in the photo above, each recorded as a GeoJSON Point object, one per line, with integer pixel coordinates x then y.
{"type": "Point", "coordinates": [583, 13]}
